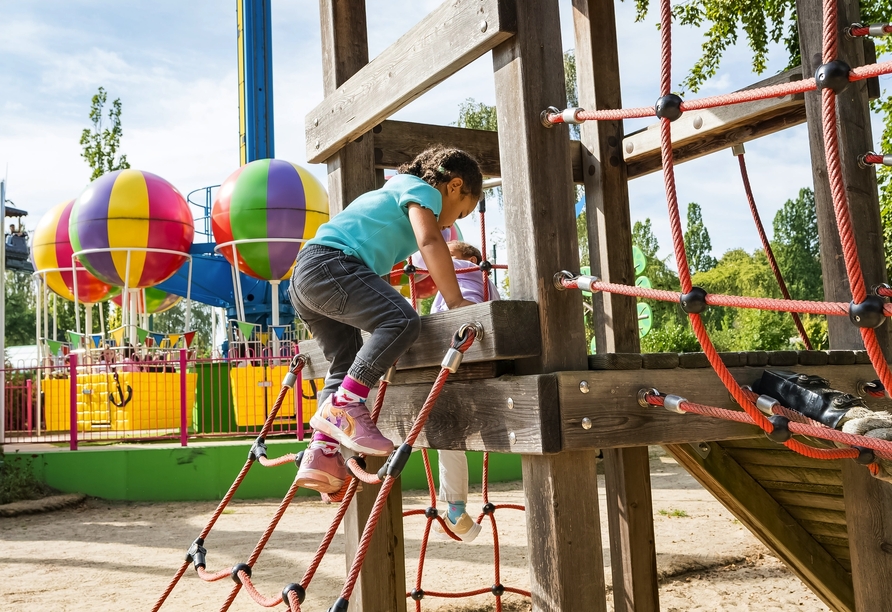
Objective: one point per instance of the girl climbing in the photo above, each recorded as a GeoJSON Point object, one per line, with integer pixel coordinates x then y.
{"type": "Point", "coordinates": [337, 290]}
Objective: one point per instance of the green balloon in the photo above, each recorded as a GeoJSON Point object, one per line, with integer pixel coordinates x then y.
{"type": "Point", "coordinates": [645, 319]}
{"type": "Point", "coordinates": [639, 259]}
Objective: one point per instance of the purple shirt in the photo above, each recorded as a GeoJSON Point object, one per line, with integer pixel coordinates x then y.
{"type": "Point", "coordinates": [470, 284]}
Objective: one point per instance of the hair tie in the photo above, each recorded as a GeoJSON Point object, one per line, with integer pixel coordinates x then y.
{"type": "Point", "coordinates": [441, 169]}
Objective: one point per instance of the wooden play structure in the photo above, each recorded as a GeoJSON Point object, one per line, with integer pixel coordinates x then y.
{"type": "Point", "coordinates": [529, 387]}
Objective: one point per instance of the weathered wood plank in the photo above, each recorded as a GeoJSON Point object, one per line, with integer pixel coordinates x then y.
{"type": "Point", "coordinates": [698, 133]}
{"type": "Point", "coordinates": [615, 361]}
{"type": "Point", "coordinates": [479, 416]}
{"type": "Point", "coordinates": [445, 41]}
{"type": "Point", "coordinates": [828, 529]}
{"type": "Point", "coordinates": [781, 457]}
{"type": "Point", "coordinates": [811, 500]}
{"type": "Point", "coordinates": [788, 474]}
{"type": "Point", "coordinates": [817, 514]}
{"type": "Point", "coordinates": [468, 371]}
{"type": "Point", "coordinates": [511, 331]}
{"type": "Point", "coordinates": [769, 522]}
{"type": "Point", "coordinates": [801, 486]}
{"type": "Point", "coordinates": [659, 361]}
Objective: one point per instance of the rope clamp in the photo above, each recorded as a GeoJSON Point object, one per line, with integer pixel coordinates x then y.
{"type": "Point", "coordinates": [417, 594]}
{"type": "Point", "coordinates": [298, 590]}
{"type": "Point", "coordinates": [877, 29]}
{"type": "Point", "coordinates": [394, 465]}
{"type": "Point", "coordinates": [848, 30]}
{"type": "Point", "coordinates": [560, 277]}
{"type": "Point", "coordinates": [571, 115]}
{"type": "Point", "coordinates": [258, 449]}
{"type": "Point", "coordinates": [545, 116]}
{"type": "Point", "coordinates": [489, 508]}
{"type": "Point", "coordinates": [585, 283]}
{"type": "Point", "coordinates": [297, 364]}
{"type": "Point", "coordinates": [766, 404]}
{"type": "Point", "coordinates": [673, 403]}
{"type": "Point", "coordinates": [866, 456]}
{"type": "Point", "coordinates": [643, 394]}
{"type": "Point", "coordinates": [780, 433]}
{"type": "Point", "coordinates": [476, 328]}
{"type": "Point", "coordinates": [869, 313]}
{"type": "Point", "coordinates": [299, 457]}
{"type": "Point", "coordinates": [340, 605]}
{"type": "Point", "coordinates": [196, 553]}
{"type": "Point", "coordinates": [240, 567]}
{"type": "Point", "coordinates": [452, 360]}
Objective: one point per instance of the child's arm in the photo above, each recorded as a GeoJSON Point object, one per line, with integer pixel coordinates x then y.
{"type": "Point", "coordinates": [436, 255]}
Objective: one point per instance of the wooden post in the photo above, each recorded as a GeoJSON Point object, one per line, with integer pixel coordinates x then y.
{"type": "Point", "coordinates": [868, 501]}
{"type": "Point", "coordinates": [351, 172]}
{"type": "Point", "coordinates": [627, 470]}
{"type": "Point", "coordinates": [563, 526]}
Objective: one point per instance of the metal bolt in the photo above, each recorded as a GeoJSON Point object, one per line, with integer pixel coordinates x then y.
{"type": "Point", "coordinates": [583, 386]}
{"type": "Point", "coordinates": [316, 121]}
{"type": "Point", "coordinates": [586, 423]}
{"type": "Point", "coordinates": [317, 144]}
{"type": "Point", "coordinates": [483, 26]}
{"type": "Point", "coordinates": [512, 438]}
{"type": "Point", "coordinates": [630, 147]}
{"type": "Point", "coordinates": [510, 403]}
{"type": "Point", "coordinates": [698, 122]}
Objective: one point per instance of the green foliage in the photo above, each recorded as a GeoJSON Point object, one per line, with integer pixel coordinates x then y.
{"type": "Point", "coordinates": [670, 337]}
{"type": "Point", "coordinates": [173, 321]}
{"type": "Point", "coordinates": [697, 242]}
{"type": "Point", "coordinates": [477, 116]}
{"type": "Point", "coordinates": [17, 481]}
{"type": "Point", "coordinates": [20, 314]}
{"type": "Point", "coordinates": [797, 247]}
{"type": "Point", "coordinates": [100, 143]}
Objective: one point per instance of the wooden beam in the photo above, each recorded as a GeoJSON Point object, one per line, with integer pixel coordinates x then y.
{"type": "Point", "coordinates": [611, 404]}
{"type": "Point", "coordinates": [511, 414]}
{"type": "Point", "coordinates": [868, 501]}
{"type": "Point", "coordinates": [770, 522]}
{"type": "Point", "coordinates": [699, 133]}
{"type": "Point", "coordinates": [510, 332]}
{"type": "Point", "coordinates": [398, 142]}
{"type": "Point", "coordinates": [627, 470]}
{"type": "Point", "coordinates": [445, 41]}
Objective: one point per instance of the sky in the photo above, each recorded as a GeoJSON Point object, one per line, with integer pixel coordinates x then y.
{"type": "Point", "coordinates": [173, 65]}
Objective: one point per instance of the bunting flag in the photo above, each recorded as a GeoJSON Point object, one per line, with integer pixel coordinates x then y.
{"type": "Point", "coordinates": [173, 339]}
{"type": "Point", "coordinates": [157, 338]}
{"type": "Point", "coordinates": [150, 341]}
{"type": "Point", "coordinates": [142, 334]}
{"type": "Point", "coordinates": [246, 328]}
{"type": "Point", "coordinates": [75, 338]}
{"type": "Point", "coordinates": [278, 330]}
{"type": "Point", "coordinates": [264, 337]}
{"type": "Point", "coordinates": [54, 346]}
{"type": "Point", "coordinates": [97, 340]}
{"type": "Point", "coordinates": [118, 336]}
{"type": "Point", "coordinates": [189, 336]}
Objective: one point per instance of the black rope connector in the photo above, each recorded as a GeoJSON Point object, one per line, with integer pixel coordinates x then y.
{"type": "Point", "coordinates": [489, 508]}
{"type": "Point", "coordinates": [694, 301]}
{"type": "Point", "coordinates": [340, 605]}
{"type": "Point", "coordinates": [197, 553]}
{"type": "Point", "coordinates": [298, 458]}
{"type": "Point", "coordinates": [668, 107]}
{"type": "Point", "coordinates": [498, 590]}
{"type": "Point", "coordinates": [431, 512]}
{"type": "Point", "coordinates": [258, 449]}
{"type": "Point", "coordinates": [417, 594]}
{"type": "Point", "coordinates": [298, 590]}
{"type": "Point", "coordinates": [781, 431]}
{"type": "Point", "coordinates": [409, 269]}
{"type": "Point", "coordinates": [868, 313]}
{"type": "Point", "coordinates": [833, 75]}
{"type": "Point", "coordinates": [241, 567]}
{"type": "Point", "coordinates": [398, 460]}
{"type": "Point", "coordinates": [358, 461]}
{"type": "Point", "coordinates": [485, 265]}
{"type": "Point", "coordinates": [866, 456]}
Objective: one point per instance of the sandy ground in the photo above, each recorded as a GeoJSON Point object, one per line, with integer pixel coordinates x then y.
{"type": "Point", "coordinates": [103, 555]}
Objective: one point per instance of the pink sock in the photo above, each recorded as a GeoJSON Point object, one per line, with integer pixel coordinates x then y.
{"type": "Point", "coordinates": [318, 436]}
{"type": "Point", "coordinates": [351, 390]}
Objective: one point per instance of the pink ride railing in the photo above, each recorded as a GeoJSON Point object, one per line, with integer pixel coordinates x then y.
{"type": "Point", "coordinates": [79, 399]}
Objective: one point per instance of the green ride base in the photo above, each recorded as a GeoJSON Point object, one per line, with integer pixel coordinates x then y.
{"type": "Point", "coordinates": [204, 470]}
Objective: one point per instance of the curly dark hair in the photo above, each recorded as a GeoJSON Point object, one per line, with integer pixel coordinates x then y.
{"type": "Point", "coordinates": [439, 164]}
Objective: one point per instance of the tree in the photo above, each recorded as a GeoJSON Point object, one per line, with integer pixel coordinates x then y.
{"type": "Point", "coordinates": [697, 242]}
{"type": "Point", "coordinates": [20, 313]}
{"type": "Point", "coordinates": [173, 321]}
{"type": "Point", "coordinates": [797, 247]}
{"type": "Point", "coordinates": [100, 143]}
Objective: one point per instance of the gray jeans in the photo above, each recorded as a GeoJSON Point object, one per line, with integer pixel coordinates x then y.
{"type": "Point", "coordinates": [337, 295]}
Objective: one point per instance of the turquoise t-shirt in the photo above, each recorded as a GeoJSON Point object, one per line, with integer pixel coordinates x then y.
{"type": "Point", "coordinates": [376, 228]}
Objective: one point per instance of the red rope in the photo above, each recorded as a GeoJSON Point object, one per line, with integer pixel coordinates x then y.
{"type": "Point", "coordinates": [860, 30]}
{"type": "Point", "coordinates": [769, 252]}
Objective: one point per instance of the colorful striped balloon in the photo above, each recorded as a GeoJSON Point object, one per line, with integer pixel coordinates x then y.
{"type": "Point", "coordinates": [131, 209]}
{"type": "Point", "coordinates": [262, 201]}
{"type": "Point", "coordinates": [156, 302]}
{"type": "Point", "coordinates": [51, 250]}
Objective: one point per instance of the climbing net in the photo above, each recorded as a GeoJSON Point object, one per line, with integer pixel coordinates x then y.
{"type": "Point", "coordinates": [293, 594]}
{"type": "Point", "coordinates": [867, 310]}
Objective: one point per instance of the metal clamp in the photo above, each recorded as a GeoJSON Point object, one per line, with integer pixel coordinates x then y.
{"type": "Point", "coordinates": [571, 115]}
{"type": "Point", "coordinates": [258, 449]}
{"type": "Point", "coordinates": [562, 276]}
{"type": "Point", "coordinates": [766, 404]}
{"type": "Point", "coordinates": [462, 333]}
{"type": "Point", "coordinates": [452, 360]}
{"type": "Point", "coordinates": [672, 403]}
{"type": "Point", "coordinates": [544, 116]}
{"type": "Point", "coordinates": [643, 394]}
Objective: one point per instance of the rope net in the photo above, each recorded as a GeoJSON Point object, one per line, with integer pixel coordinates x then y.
{"type": "Point", "coordinates": [868, 311]}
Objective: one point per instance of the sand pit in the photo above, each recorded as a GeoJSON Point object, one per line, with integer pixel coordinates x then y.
{"type": "Point", "coordinates": [104, 555]}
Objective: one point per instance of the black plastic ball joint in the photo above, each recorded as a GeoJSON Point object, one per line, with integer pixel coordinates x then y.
{"type": "Point", "coordinates": [431, 512]}
{"type": "Point", "coordinates": [833, 75]}
{"type": "Point", "coordinates": [668, 107]}
{"type": "Point", "coordinates": [298, 590]}
{"type": "Point", "coordinates": [340, 605]}
{"type": "Point", "coordinates": [781, 431]}
{"type": "Point", "coordinates": [358, 462]}
{"type": "Point", "coordinates": [865, 456]}
{"type": "Point", "coordinates": [298, 458]}
{"type": "Point", "coordinates": [485, 265]}
{"type": "Point", "coordinates": [498, 590]}
{"type": "Point", "coordinates": [489, 508]}
{"type": "Point", "coordinates": [693, 302]}
{"type": "Point", "coordinates": [409, 270]}
{"type": "Point", "coordinates": [868, 313]}
{"type": "Point", "coordinates": [417, 594]}
{"type": "Point", "coordinates": [241, 567]}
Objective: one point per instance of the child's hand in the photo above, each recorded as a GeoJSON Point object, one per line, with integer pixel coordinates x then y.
{"type": "Point", "coordinates": [459, 304]}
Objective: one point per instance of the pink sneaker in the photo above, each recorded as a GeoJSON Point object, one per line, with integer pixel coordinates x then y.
{"type": "Point", "coordinates": [321, 471]}
{"type": "Point", "coordinates": [351, 425]}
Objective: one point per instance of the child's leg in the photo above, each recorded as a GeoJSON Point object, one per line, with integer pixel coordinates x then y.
{"type": "Point", "coordinates": [453, 476]}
